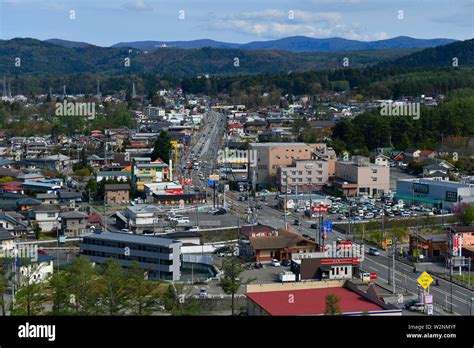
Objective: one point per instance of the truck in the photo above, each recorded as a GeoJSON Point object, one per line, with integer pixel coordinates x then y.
{"type": "Point", "coordinates": [287, 277]}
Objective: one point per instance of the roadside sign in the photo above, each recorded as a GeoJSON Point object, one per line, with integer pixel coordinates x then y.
{"type": "Point", "coordinates": [428, 299]}
{"type": "Point", "coordinates": [320, 209]}
{"type": "Point", "coordinates": [373, 275]}
{"type": "Point", "coordinates": [425, 280]}
{"type": "Point", "coordinates": [326, 227]}
{"type": "Point", "coordinates": [400, 298]}
{"type": "Point", "coordinates": [214, 177]}
{"type": "Point", "coordinates": [389, 242]}
{"type": "Point", "coordinates": [366, 277]}
{"type": "Point", "coordinates": [211, 183]}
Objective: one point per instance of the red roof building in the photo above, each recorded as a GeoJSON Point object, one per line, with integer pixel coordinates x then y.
{"type": "Point", "coordinates": [312, 301]}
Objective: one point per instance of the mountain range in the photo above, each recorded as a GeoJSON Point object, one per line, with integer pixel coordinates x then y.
{"type": "Point", "coordinates": [64, 57]}
{"type": "Point", "coordinates": [291, 44]}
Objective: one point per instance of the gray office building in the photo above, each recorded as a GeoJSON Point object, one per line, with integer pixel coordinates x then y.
{"type": "Point", "coordinates": [161, 257]}
{"type": "Point", "coordinates": [435, 193]}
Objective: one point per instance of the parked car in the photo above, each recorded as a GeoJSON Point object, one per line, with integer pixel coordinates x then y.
{"type": "Point", "coordinates": [285, 262]}
{"type": "Point", "coordinates": [257, 265]}
{"type": "Point", "coordinates": [212, 211]}
{"type": "Point", "coordinates": [203, 292]}
{"type": "Point", "coordinates": [275, 263]}
{"type": "Point", "coordinates": [169, 230]}
{"type": "Point", "coordinates": [125, 230]}
{"type": "Point", "coordinates": [415, 306]}
{"type": "Point", "coordinates": [148, 232]}
{"type": "Point", "coordinates": [193, 229]}
{"type": "Point", "coordinates": [374, 251]}
{"type": "Point", "coordinates": [314, 226]}
{"type": "Point", "coordinates": [297, 222]}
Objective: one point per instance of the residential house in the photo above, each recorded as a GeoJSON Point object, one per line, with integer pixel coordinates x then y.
{"type": "Point", "coordinates": [47, 198]}
{"type": "Point", "coordinates": [13, 223]}
{"type": "Point", "coordinates": [117, 193]}
{"type": "Point", "coordinates": [382, 160]}
{"type": "Point", "coordinates": [73, 223]}
{"type": "Point", "coordinates": [46, 216]}
{"type": "Point", "coordinates": [412, 154]}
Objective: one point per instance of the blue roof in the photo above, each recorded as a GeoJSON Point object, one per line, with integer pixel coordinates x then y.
{"type": "Point", "coordinates": [39, 258]}
{"type": "Point", "coordinates": [40, 184]}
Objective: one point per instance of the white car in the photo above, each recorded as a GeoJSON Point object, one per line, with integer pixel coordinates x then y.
{"type": "Point", "coordinates": [194, 229]}
{"type": "Point", "coordinates": [275, 263]}
{"type": "Point", "coordinates": [182, 221]}
{"type": "Point", "coordinates": [169, 230]}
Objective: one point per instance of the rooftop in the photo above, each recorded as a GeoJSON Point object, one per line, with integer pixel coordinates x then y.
{"type": "Point", "coordinates": [132, 238]}
{"type": "Point", "coordinates": [310, 301]}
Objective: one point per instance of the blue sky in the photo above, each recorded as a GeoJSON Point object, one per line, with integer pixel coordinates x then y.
{"type": "Point", "coordinates": [105, 22]}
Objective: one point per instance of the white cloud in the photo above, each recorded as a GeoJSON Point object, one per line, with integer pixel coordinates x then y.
{"type": "Point", "coordinates": [138, 5]}
{"type": "Point", "coordinates": [271, 24]}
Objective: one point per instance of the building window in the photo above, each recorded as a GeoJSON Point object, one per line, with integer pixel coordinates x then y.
{"type": "Point", "coordinates": [374, 178]}
{"type": "Point", "coordinates": [451, 196]}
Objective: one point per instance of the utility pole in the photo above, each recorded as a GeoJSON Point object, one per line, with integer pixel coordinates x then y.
{"type": "Point", "coordinates": [394, 280]}
{"type": "Point", "coordinates": [285, 202]}
{"type": "Point", "coordinates": [451, 281]}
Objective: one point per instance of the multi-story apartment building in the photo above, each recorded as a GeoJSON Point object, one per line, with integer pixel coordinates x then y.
{"type": "Point", "coordinates": [360, 177]}
{"type": "Point", "coordinates": [269, 156]}
{"type": "Point", "coordinates": [160, 257]}
{"type": "Point", "coordinates": [146, 171]}
{"type": "Point", "coordinates": [304, 176]}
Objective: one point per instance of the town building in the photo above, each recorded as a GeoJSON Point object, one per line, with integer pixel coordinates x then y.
{"type": "Point", "coordinates": [269, 156]}
{"type": "Point", "coordinates": [304, 176]}
{"type": "Point", "coordinates": [360, 177]}
{"type": "Point", "coordinates": [309, 298]}
{"type": "Point", "coordinates": [434, 193]}
{"type": "Point", "coordinates": [160, 257]}
{"type": "Point", "coordinates": [280, 244]}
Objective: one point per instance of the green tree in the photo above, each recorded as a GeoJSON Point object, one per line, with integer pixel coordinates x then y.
{"type": "Point", "coordinates": [5, 278]}
{"type": "Point", "coordinates": [162, 147]}
{"type": "Point", "coordinates": [82, 279]}
{"type": "Point", "coordinates": [231, 282]}
{"type": "Point", "coordinates": [468, 216]}
{"type": "Point", "coordinates": [178, 301]}
{"type": "Point", "coordinates": [58, 291]}
{"type": "Point", "coordinates": [332, 305]}
{"type": "Point", "coordinates": [113, 287]}
{"type": "Point", "coordinates": [143, 295]}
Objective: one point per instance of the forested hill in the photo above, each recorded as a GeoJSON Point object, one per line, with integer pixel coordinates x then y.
{"type": "Point", "coordinates": [441, 56]}
{"type": "Point", "coordinates": [44, 58]}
